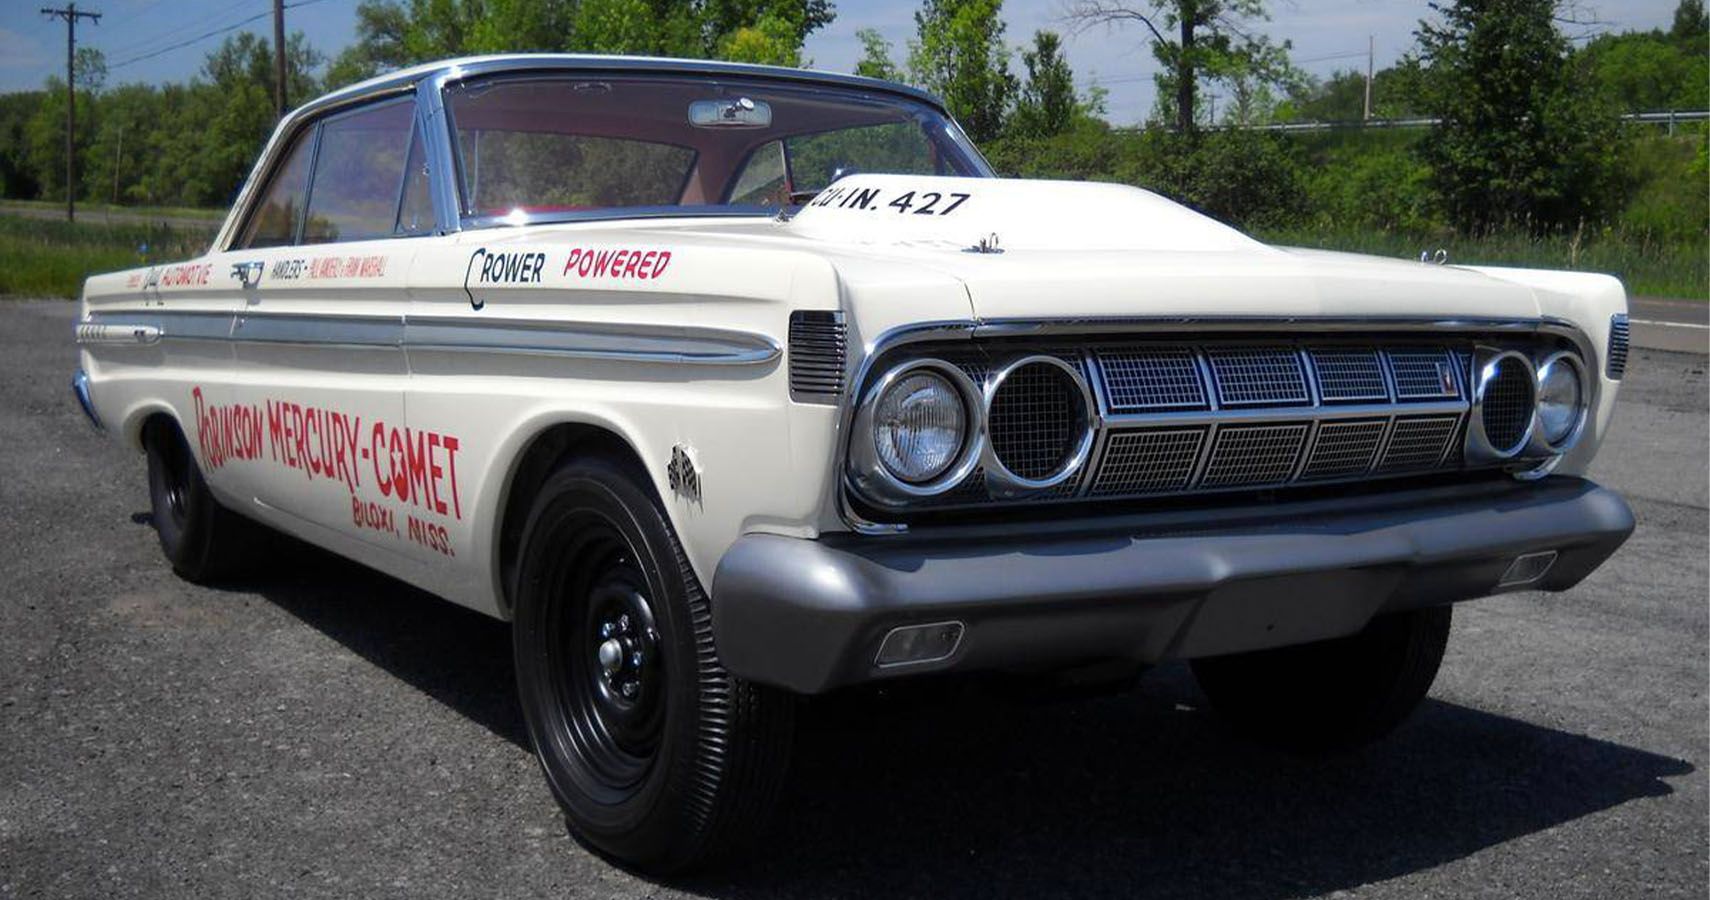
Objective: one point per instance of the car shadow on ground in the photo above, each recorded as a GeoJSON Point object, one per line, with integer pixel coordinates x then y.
{"type": "Point", "coordinates": [951, 790]}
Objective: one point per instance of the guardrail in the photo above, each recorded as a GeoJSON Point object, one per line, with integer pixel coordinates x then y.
{"type": "Point", "coordinates": [1670, 118]}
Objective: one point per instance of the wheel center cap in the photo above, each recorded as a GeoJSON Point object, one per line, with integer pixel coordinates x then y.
{"type": "Point", "coordinates": [611, 656]}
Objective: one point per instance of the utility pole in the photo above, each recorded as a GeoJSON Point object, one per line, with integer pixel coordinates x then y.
{"type": "Point", "coordinates": [71, 14]}
{"type": "Point", "coordinates": [279, 57]}
{"type": "Point", "coordinates": [1371, 54]}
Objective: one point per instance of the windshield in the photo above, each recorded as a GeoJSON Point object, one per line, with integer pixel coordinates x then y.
{"type": "Point", "coordinates": [543, 148]}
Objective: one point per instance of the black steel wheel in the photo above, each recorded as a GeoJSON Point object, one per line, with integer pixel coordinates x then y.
{"type": "Point", "coordinates": [1331, 695]}
{"type": "Point", "coordinates": [659, 757]}
{"type": "Point", "coordinates": [202, 540]}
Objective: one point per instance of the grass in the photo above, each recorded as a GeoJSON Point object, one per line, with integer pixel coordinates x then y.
{"type": "Point", "coordinates": [47, 258]}
{"type": "Point", "coordinates": [1648, 267]}
{"type": "Point", "coordinates": [99, 211]}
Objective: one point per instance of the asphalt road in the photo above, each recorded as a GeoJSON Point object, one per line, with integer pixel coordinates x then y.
{"type": "Point", "coordinates": [323, 731]}
{"type": "Point", "coordinates": [1664, 324]}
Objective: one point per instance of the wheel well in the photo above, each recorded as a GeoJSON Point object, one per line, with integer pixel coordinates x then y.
{"type": "Point", "coordinates": [543, 456]}
{"type": "Point", "coordinates": [151, 422]}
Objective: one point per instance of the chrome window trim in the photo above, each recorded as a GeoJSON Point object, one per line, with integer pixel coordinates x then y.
{"type": "Point", "coordinates": [953, 330]}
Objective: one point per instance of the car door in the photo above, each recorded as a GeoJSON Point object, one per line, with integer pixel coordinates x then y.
{"type": "Point", "coordinates": [317, 340]}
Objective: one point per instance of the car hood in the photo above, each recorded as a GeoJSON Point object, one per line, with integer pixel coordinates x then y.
{"type": "Point", "coordinates": [1034, 248]}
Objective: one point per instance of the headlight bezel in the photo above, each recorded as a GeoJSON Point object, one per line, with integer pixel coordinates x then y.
{"type": "Point", "coordinates": [1541, 437]}
{"type": "Point", "coordinates": [867, 468]}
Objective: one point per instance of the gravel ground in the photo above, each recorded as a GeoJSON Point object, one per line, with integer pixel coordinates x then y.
{"type": "Point", "coordinates": [328, 732]}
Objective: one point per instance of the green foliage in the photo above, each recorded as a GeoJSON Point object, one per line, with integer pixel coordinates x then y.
{"type": "Point", "coordinates": [50, 258]}
{"type": "Point", "coordinates": [875, 61]}
{"type": "Point", "coordinates": [1642, 71]}
{"type": "Point", "coordinates": [960, 56]}
{"type": "Point", "coordinates": [1195, 41]}
{"type": "Point", "coordinates": [1047, 104]}
{"type": "Point", "coordinates": [1524, 142]}
{"type": "Point", "coordinates": [1397, 92]}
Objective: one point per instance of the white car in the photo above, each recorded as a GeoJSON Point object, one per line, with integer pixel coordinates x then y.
{"type": "Point", "coordinates": [726, 384]}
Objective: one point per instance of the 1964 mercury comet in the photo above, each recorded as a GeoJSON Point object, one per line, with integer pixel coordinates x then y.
{"type": "Point", "coordinates": [728, 383]}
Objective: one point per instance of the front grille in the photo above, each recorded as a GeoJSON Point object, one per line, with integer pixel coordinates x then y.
{"type": "Point", "coordinates": [1157, 461]}
{"type": "Point", "coordinates": [1620, 336]}
{"type": "Point", "coordinates": [1507, 411]}
{"type": "Point", "coordinates": [1418, 442]}
{"type": "Point", "coordinates": [1035, 420]}
{"type": "Point", "coordinates": [1152, 378]}
{"type": "Point", "coordinates": [1344, 448]}
{"type": "Point", "coordinates": [1254, 455]}
{"type": "Point", "coordinates": [818, 348]}
{"type": "Point", "coordinates": [1210, 414]}
{"type": "Point", "coordinates": [1349, 375]}
{"type": "Point", "coordinates": [1423, 374]}
{"type": "Point", "coordinates": [1251, 375]}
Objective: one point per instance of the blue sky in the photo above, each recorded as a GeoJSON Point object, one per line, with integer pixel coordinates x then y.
{"type": "Point", "coordinates": [1327, 35]}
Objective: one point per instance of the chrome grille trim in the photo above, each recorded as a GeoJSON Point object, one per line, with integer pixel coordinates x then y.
{"type": "Point", "coordinates": [1247, 376]}
{"type": "Point", "coordinates": [1348, 374]}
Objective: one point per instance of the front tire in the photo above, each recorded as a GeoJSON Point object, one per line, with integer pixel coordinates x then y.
{"type": "Point", "coordinates": [203, 540]}
{"type": "Point", "coordinates": [1331, 695]}
{"type": "Point", "coordinates": [658, 756]}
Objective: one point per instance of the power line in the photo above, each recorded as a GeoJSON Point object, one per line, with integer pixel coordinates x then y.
{"type": "Point", "coordinates": [71, 14]}
{"type": "Point", "coordinates": [204, 36]}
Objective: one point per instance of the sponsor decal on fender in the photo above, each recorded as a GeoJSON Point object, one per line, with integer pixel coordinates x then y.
{"type": "Point", "coordinates": [627, 263]}
{"type": "Point", "coordinates": [387, 470]}
{"type": "Point", "coordinates": [498, 268]}
{"type": "Point", "coordinates": [316, 267]}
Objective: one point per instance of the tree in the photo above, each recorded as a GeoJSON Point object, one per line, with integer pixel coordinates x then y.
{"type": "Point", "coordinates": [960, 56]}
{"type": "Point", "coordinates": [875, 61]}
{"type": "Point", "coordinates": [1047, 104]}
{"type": "Point", "coordinates": [1195, 41]}
{"type": "Point", "coordinates": [1523, 140]}
{"type": "Point", "coordinates": [1691, 25]}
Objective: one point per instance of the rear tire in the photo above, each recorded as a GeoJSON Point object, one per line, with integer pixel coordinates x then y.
{"type": "Point", "coordinates": [203, 540]}
{"type": "Point", "coordinates": [659, 757]}
{"type": "Point", "coordinates": [1335, 694]}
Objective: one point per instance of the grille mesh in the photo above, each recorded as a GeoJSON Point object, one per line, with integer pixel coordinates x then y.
{"type": "Point", "coordinates": [1249, 375]}
{"type": "Point", "coordinates": [818, 347]}
{"type": "Point", "coordinates": [1248, 455]}
{"type": "Point", "coordinates": [1418, 442]}
{"type": "Point", "coordinates": [1507, 405]}
{"type": "Point", "coordinates": [1035, 420]}
{"type": "Point", "coordinates": [1349, 374]}
{"type": "Point", "coordinates": [1161, 378]}
{"type": "Point", "coordinates": [1344, 448]}
{"type": "Point", "coordinates": [1423, 374]}
{"type": "Point", "coordinates": [1148, 462]}
{"type": "Point", "coordinates": [1620, 336]}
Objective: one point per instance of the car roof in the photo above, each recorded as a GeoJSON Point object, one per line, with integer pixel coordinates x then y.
{"type": "Point", "coordinates": [587, 62]}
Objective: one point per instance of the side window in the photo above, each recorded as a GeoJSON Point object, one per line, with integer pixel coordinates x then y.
{"type": "Point", "coordinates": [359, 171]}
{"type": "Point", "coordinates": [274, 221]}
{"type": "Point", "coordinates": [415, 209]}
{"type": "Point", "coordinates": [763, 180]}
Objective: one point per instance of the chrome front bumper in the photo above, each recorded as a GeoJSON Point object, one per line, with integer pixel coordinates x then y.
{"type": "Point", "coordinates": [811, 615]}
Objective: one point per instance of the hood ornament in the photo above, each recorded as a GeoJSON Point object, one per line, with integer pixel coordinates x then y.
{"type": "Point", "coordinates": [987, 244]}
{"type": "Point", "coordinates": [1441, 257]}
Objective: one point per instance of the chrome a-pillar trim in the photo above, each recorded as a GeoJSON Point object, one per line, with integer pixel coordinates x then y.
{"type": "Point", "coordinates": [956, 330]}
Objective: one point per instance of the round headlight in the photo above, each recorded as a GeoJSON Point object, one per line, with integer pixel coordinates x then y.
{"type": "Point", "coordinates": [1560, 399]}
{"type": "Point", "coordinates": [919, 425]}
